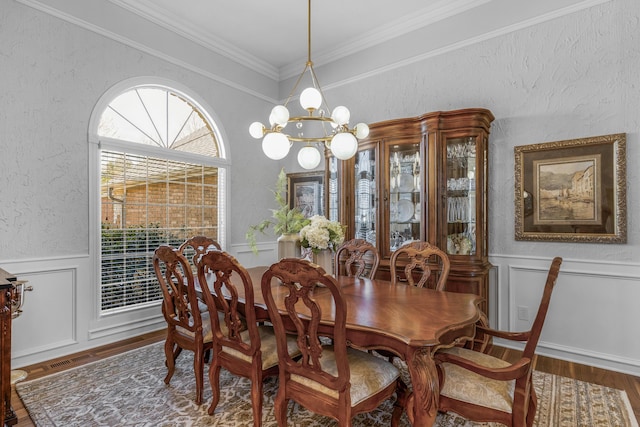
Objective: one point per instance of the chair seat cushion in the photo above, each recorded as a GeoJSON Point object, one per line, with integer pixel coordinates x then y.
{"type": "Point", "coordinates": [268, 347]}
{"type": "Point", "coordinates": [206, 327]}
{"type": "Point", "coordinates": [369, 374]}
{"type": "Point", "coordinates": [466, 386]}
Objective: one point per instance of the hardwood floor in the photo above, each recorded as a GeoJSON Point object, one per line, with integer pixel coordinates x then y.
{"type": "Point", "coordinates": [612, 379]}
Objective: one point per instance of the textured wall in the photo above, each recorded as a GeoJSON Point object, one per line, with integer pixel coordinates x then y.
{"type": "Point", "coordinates": [574, 76]}
{"type": "Point", "coordinates": [52, 75]}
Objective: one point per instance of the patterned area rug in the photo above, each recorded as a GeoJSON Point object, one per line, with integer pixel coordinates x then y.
{"type": "Point", "coordinates": [128, 390]}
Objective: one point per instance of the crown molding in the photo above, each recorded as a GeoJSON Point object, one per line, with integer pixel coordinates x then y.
{"type": "Point", "coordinates": [147, 10]}
{"type": "Point", "coordinates": [391, 30]}
{"type": "Point", "coordinates": [441, 11]}
{"type": "Point", "coordinates": [39, 5]}
{"type": "Point", "coordinates": [464, 43]}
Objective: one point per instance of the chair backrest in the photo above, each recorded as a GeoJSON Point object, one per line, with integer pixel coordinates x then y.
{"type": "Point", "coordinates": [290, 300]}
{"type": "Point", "coordinates": [197, 246]}
{"type": "Point", "coordinates": [226, 282]}
{"type": "Point", "coordinates": [430, 260]}
{"type": "Point", "coordinates": [180, 300]}
{"type": "Point", "coordinates": [538, 323]}
{"type": "Point", "coordinates": [358, 258]}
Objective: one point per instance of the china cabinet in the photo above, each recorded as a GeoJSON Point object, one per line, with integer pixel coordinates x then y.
{"type": "Point", "coordinates": [420, 178]}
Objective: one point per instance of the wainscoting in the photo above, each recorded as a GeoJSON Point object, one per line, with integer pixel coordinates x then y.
{"type": "Point", "coordinates": [60, 316]}
{"type": "Point", "coordinates": [592, 319]}
{"type": "Point", "coordinates": [593, 315]}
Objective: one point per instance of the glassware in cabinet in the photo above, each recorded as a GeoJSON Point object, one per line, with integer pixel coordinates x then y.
{"type": "Point", "coordinates": [461, 195]}
{"type": "Point", "coordinates": [333, 189]}
{"type": "Point", "coordinates": [405, 195]}
{"type": "Point", "coordinates": [366, 199]}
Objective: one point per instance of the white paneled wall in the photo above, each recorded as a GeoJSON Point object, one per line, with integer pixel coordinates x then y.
{"type": "Point", "coordinates": [60, 314]}
{"type": "Point", "coordinates": [43, 326]}
{"type": "Point", "coordinates": [592, 306]}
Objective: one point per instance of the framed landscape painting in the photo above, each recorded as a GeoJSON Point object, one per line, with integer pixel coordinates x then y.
{"type": "Point", "coordinates": [572, 191]}
{"type": "Point", "coordinates": [306, 192]}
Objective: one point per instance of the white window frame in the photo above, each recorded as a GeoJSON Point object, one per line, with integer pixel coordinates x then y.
{"type": "Point", "coordinates": [97, 143]}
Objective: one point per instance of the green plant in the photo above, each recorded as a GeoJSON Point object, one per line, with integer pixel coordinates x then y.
{"type": "Point", "coordinates": [284, 219]}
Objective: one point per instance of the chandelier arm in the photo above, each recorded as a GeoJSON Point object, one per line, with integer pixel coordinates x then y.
{"type": "Point", "coordinates": [295, 86]}
{"type": "Point", "coordinates": [314, 78]}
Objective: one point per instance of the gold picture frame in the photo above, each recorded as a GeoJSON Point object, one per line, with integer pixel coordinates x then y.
{"type": "Point", "coordinates": [306, 192]}
{"type": "Point", "coordinates": [572, 191]}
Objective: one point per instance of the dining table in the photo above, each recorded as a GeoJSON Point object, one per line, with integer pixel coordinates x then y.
{"type": "Point", "coordinates": [409, 321]}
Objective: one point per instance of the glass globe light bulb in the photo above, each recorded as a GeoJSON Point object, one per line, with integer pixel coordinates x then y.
{"type": "Point", "coordinates": [256, 130]}
{"type": "Point", "coordinates": [362, 130]}
{"type": "Point", "coordinates": [310, 98]}
{"type": "Point", "coordinates": [344, 145]}
{"type": "Point", "coordinates": [280, 115]}
{"type": "Point", "coordinates": [275, 145]}
{"type": "Point", "coordinates": [309, 157]}
{"type": "Point", "coordinates": [341, 115]}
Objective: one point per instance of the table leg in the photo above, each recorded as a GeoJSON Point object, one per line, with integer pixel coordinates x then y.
{"type": "Point", "coordinates": [422, 405]}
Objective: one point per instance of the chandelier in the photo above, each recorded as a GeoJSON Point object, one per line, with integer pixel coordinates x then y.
{"type": "Point", "coordinates": [311, 129]}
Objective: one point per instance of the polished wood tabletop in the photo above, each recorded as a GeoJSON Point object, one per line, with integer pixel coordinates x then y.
{"type": "Point", "coordinates": [412, 322]}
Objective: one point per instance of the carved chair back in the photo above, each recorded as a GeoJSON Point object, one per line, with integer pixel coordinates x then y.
{"type": "Point", "coordinates": [421, 257]}
{"type": "Point", "coordinates": [358, 258]}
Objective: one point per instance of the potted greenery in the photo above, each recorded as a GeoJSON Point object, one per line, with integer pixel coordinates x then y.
{"type": "Point", "coordinates": [286, 223]}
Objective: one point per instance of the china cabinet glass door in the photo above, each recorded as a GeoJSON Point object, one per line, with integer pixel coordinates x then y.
{"type": "Point", "coordinates": [366, 202]}
{"type": "Point", "coordinates": [460, 206]}
{"type": "Point", "coordinates": [333, 189]}
{"type": "Point", "coordinates": [405, 194]}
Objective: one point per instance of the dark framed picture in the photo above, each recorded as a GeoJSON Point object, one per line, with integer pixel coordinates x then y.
{"type": "Point", "coordinates": [306, 192]}
{"type": "Point", "coordinates": [572, 191]}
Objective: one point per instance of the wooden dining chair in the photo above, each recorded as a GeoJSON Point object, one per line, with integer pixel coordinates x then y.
{"type": "Point", "coordinates": [187, 327]}
{"type": "Point", "coordinates": [240, 345]}
{"type": "Point", "coordinates": [193, 248]}
{"type": "Point", "coordinates": [197, 246]}
{"type": "Point", "coordinates": [331, 380]}
{"type": "Point", "coordinates": [357, 257]}
{"type": "Point", "coordinates": [421, 257]}
{"type": "Point", "coordinates": [481, 387]}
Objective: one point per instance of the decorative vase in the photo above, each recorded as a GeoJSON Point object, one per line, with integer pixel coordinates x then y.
{"type": "Point", "coordinates": [324, 259]}
{"type": "Point", "coordinates": [289, 246]}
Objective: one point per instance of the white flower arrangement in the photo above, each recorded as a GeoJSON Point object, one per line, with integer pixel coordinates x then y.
{"type": "Point", "coordinates": [321, 234]}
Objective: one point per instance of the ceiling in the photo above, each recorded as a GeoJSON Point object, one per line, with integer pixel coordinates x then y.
{"type": "Point", "coordinates": [273, 34]}
{"type": "Point", "coordinates": [270, 37]}
{"type": "Point", "coordinates": [275, 31]}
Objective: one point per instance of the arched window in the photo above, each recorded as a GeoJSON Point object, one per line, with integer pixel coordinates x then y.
{"type": "Point", "coordinates": [162, 179]}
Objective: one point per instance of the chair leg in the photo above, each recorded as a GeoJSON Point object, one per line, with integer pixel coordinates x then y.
{"type": "Point", "coordinates": [345, 420]}
{"type": "Point", "coordinates": [256, 396]}
{"type": "Point", "coordinates": [402, 392]}
{"type": "Point", "coordinates": [198, 368]}
{"type": "Point", "coordinates": [280, 407]}
{"type": "Point", "coordinates": [170, 361]}
{"type": "Point", "coordinates": [214, 380]}
{"type": "Point", "coordinates": [533, 404]}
